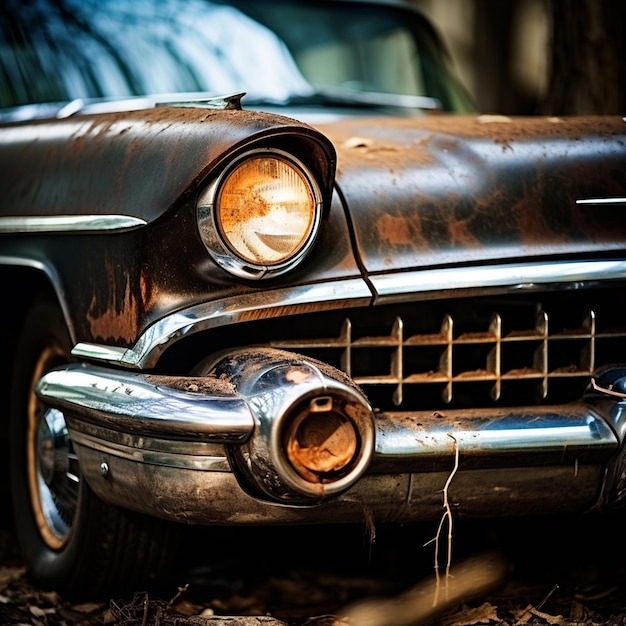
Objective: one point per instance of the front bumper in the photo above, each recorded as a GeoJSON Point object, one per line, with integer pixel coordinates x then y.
{"type": "Point", "coordinates": [264, 436]}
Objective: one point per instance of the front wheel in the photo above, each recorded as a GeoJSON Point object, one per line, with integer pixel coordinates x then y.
{"type": "Point", "coordinates": [72, 541]}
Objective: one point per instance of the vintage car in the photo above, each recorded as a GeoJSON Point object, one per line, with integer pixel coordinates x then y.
{"type": "Point", "coordinates": [263, 264]}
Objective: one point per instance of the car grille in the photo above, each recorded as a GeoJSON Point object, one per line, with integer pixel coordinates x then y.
{"type": "Point", "coordinates": [471, 352]}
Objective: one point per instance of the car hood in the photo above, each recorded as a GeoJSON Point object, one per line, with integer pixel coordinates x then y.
{"type": "Point", "coordinates": [443, 191]}
{"type": "Point", "coordinates": [136, 163]}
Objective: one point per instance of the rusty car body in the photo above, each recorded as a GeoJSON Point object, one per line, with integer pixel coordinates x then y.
{"type": "Point", "coordinates": [297, 307]}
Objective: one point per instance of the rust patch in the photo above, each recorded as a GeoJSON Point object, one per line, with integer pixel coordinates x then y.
{"type": "Point", "coordinates": [146, 288]}
{"type": "Point", "coordinates": [202, 385]}
{"type": "Point", "coordinates": [460, 233]}
{"type": "Point", "coordinates": [394, 230]}
{"type": "Point", "coordinates": [319, 444]}
{"type": "Point", "coordinates": [119, 321]}
{"type": "Point", "coordinates": [331, 455]}
{"type": "Point", "coordinates": [533, 224]}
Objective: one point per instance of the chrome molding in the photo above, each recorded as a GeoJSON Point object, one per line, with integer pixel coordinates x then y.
{"type": "Point", "coordinates": [509, 277]}
{"type": "Point", "coordinates": [601, 201]}
{"type": "Point", "coordinates": [137, 454]}
{"type": "Point", "coordinates": [97, 352]}
{"type": "Point", "coordinates": [146, 351]}
{"type": "Point", "coordinates": [69, 223]}
{"type": "Point", "coordinates": [35, 265]}
{"type": "Point", "coordinates": [405, 442]}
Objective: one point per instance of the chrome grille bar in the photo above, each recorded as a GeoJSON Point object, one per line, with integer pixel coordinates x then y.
{"type": "Point", "coordinates": [540, 355]}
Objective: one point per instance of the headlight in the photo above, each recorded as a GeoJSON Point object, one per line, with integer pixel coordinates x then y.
{"type": "Point", "coordinates": [261, 216]}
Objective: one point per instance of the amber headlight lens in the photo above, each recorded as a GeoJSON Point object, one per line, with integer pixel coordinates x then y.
{"type": "Point", "coordinates": [265, 211]}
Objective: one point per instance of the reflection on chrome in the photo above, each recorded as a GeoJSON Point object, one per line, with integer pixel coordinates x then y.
{"type": "Point", "coordinates": [145, 352]}
{"type": "Point", "coordinates": [69, 223]}
{"type": "Point", "coordinates": [513, 277]}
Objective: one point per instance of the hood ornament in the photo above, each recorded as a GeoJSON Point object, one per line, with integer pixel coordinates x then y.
{"type": "Point", "coordinates": [221, 103]}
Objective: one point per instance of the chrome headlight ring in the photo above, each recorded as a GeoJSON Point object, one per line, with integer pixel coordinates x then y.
{"type": "Point", "coordinates": [260, 217]}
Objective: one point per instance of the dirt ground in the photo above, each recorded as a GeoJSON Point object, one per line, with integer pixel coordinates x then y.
{"type": "Point", "coordinates": [523, 572]}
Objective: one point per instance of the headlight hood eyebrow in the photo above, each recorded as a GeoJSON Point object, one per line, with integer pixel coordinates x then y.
{"type": "Point", "coordinates": [139, 163]}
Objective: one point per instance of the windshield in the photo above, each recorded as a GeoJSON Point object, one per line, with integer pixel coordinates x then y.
{"type": "Point", "coordinates": [362, 47]}
{"type": "Point", "coordinates": [274, 50]}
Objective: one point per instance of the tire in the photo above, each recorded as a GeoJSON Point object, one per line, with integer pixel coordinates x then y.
{"type": "Point", "coordinates": [71, 541]}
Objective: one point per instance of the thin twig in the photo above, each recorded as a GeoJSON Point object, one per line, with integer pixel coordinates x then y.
{"type": "Point", "coordinates": [548, 595]}
{"type": "Point", "coordinates": [370, 527]}
{"type": "Point", "coordinates": [179, 593]}
{"type": "Point", "coordinates": [446, 517]}
{"type": "Point", "coordinates": [608, 390]}
{"type": "Point", "coordinates": [146, 606]}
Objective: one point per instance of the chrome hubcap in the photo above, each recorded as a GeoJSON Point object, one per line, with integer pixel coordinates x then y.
{"type": "Point", "coordinates": [57, 477]}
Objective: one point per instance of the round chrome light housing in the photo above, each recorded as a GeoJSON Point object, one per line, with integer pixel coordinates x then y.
{"type": "Point", "coordinates": [260, 217]}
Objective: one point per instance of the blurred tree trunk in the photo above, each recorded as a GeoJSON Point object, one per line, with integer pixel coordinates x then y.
{"type": "Point", "coordinates": [588, 52]}
{"type": "Point", "coordinates": [497, 87]}
{"type": "Point", "coordinates": [493, 26]}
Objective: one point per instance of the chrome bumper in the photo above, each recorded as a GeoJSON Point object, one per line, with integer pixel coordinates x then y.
{"type": "Point", "coordinates": [264, 436]}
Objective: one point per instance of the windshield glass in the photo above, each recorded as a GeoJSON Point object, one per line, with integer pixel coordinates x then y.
{"type": "Point", "coordinates": [62, 50]}
{"type": "Point", "coordinates": [362, 47]}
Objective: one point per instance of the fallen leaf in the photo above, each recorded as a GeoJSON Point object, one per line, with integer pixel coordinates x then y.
{"type": "Point", "coordinates": [482, 614]}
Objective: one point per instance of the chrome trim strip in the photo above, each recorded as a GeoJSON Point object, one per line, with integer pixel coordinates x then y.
{"type": "Point", "coordinates": [69, 223]}
{"type": "Point", "coordinates": [49, 271]}
{"type": "Point", "coordinates": [601, 201]}
{"type": "Point", "coordinates": [515, 276]}
{"type": "Point", "coordinates": [152, 343]}
{"type": "Point", "coordinates": [71, 108]}
{"type": "Point", "coordinates": [141, 441]}
{"type": "Point", "coordinates": [198, 463]}
{"type": "Point", "coordinates": [97, 352]}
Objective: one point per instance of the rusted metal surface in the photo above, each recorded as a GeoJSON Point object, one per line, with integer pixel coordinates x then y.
{"type": "Point", "coordinates": [421, 192]}
{"type": "Point", "coordinates": [441, 190]}
{"type": "Point", "coordinates": [132, 163]}
{"type": "Point", "coordinates": [147, 164]}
